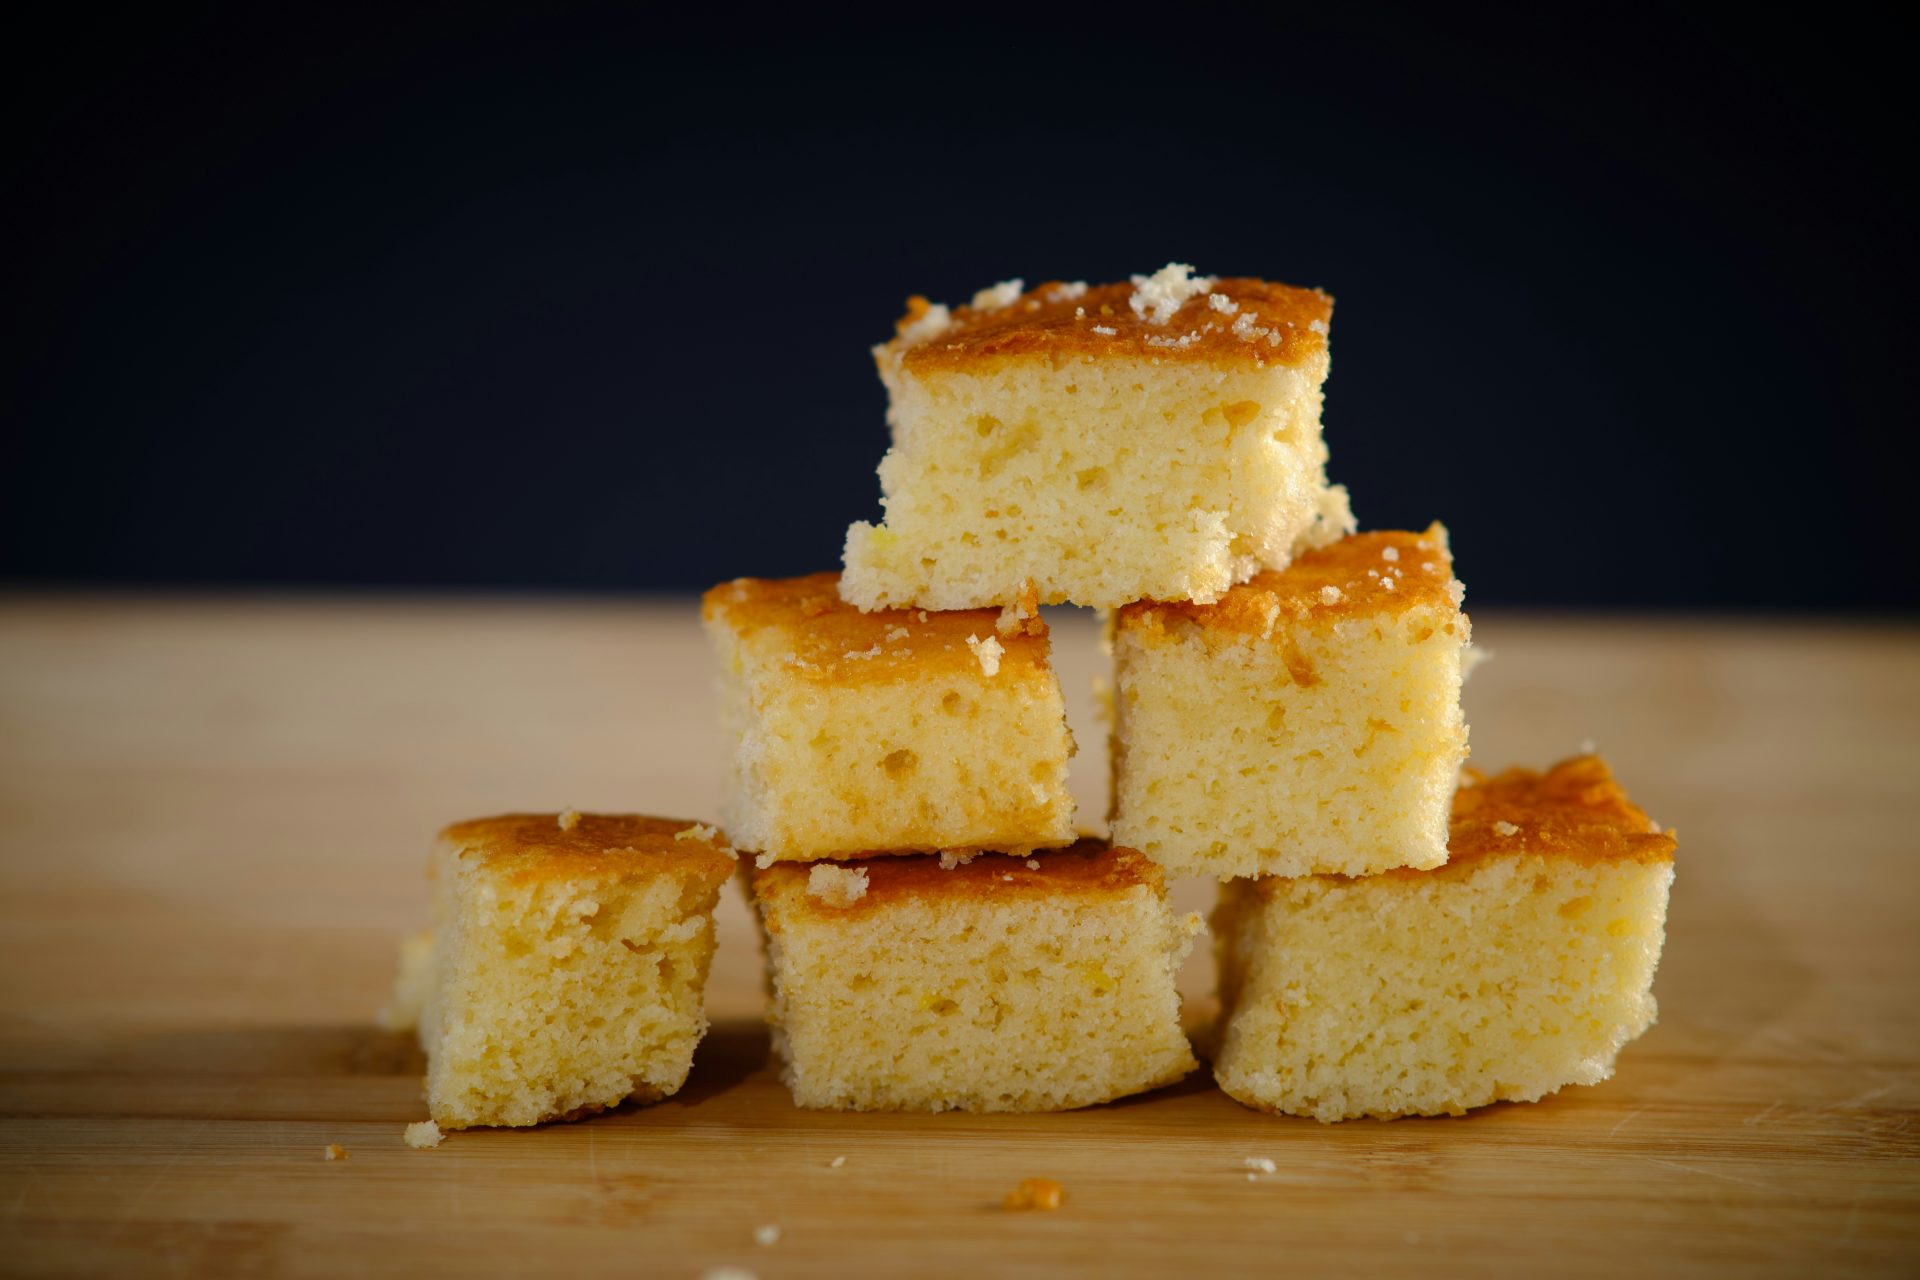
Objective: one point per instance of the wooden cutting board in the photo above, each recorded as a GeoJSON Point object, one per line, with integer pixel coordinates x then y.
{"type": "Point", "coordinates": [214, 815]}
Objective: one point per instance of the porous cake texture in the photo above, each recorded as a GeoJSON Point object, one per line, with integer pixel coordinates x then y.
{"type": "Point", "coordinates": [1155, 439]}
{"type": "Point", "coordinates": [1307, 722]}
{"type": "Point", "coordinates": [1521, 966]}
{"type": "Point", "coordinates": [567, 964]}
{"type": "Point", "coordinates": [898, 730]}
{"type": "Point", "coordinates": [996, 984]}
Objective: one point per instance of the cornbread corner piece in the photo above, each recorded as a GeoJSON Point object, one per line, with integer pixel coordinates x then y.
{"type": "Point", "coordinates": [568, 964]}
{"type": "Point", "coordinates": [994, 984]}
{"type": "Point", "coordinates": [899, 730]}
{"type": "Point", "coordinates": [1158, 439]}
{"type": "Point", "coordinates": [1521, 966]}
{"type": "Point", "coordinates": [1308, 722]}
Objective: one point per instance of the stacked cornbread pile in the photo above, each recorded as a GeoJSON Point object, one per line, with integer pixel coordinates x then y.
{"type": "Point", "coordinates": [1395, 936]}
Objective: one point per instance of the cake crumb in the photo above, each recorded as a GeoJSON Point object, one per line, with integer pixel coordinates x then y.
{"type": "Point", "coordinates": [1457, 592]}
{"type": "Point", "coordinates": [951, 858]}
{"type": "Point", "coordinates": [423, 1135]}
{"type": "Point", "coordinates": [1589, 747]}
{"type": "Point", "coordinates": [1505, 828]}
{"type": "Point", "coordinates": [1390, 553]}
{"type": "Point", "coordinates": [1260, 1163]}
{"type": "Point", "coordinates": [1318, 326]}
{"type": "Point", "coordinates": [988, 651]}
{"type": "Point", "coordinates": [767, 1235]}
{"type": "Point", "coordinates": [925, 321]}
{"type": "Point", "coordinates": [994, 297]}
{"type": "Point", "coordinates": [1105, 331]}
{"type": "Point", "coordinates": [698, 831]}
{"type": "Point", "coordinates": [835, 885]}
{"type": "Point", "coordinates": [1331, 595]}
{"type": "Point", "coordinates": [923, 615]}
{"type": "Point", "coordinates": [837, 1162]}
{"type": "Point", "coordinates": [1222, 303]}
{"type": "Point", "coordinates": [1035, 1193]}
{"type": "Point", "coordinates": [1156, 297]}
{"type": "Point", "coordinates": [335, 1151]}
{"type": "Point", "coordinates": [569, 819]}
{"type": "Point", "coordinates": [1067, 291]}
{"type": "Point", "coordinates": [1033, 864]}
{"type": "Point", "coordinates": [898, 633]}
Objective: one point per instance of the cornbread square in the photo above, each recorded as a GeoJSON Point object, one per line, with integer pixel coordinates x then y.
{"type": "Point", "coordinates": [1308, 722]}
{"type": "Point", "coordinates": [1521, 966]}
{"type": "Point", "coordinates": [568, 961]}
{"type": "Point", "coordinates": [1158, 439]}
{"type": "Point", "coordinates": [894, 731]}
{"type": "Point", "coordinates": [996, 984]}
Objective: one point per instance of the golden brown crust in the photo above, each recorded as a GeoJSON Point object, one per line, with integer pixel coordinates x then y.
{"type": "Point", "coordinates": [1351, 578]}
{"type": "Point", "coordinates": [534, 846]}
{"type": "Point", "coordinates": [1088, 867]}
{"type": "Point", "coordinates": [1576, 811]}
{"type": "Point", "coordinates": [832, 642]}
{"type": "Point", "coordinates": [1276, 324]}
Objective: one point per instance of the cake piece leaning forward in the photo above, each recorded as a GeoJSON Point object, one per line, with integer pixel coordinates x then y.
{"type": "Point", "coordinates": [1522, 966]}
{"type": "Point", "coordinates": [897, 731]}
{"type": "Point", "coordinates": [995, 984]}
{"type": "Point", "coordinates": [1153, 440]}
{"type": "Point", "coordinates": [567, 965]}
{"type": "Point", "coordinates": [1307, 722]}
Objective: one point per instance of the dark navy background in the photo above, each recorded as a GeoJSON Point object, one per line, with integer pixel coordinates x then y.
{"type": "Point", "coordinates": [454, 296]}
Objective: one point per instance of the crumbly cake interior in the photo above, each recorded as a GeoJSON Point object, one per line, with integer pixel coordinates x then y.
{"type": "Point", "coordinates": [902, 730]}
{"type": "Point", "coordinates": [995, 984]}
{"type": "Point", "coordinates": [1520, 967]}
{"type": "Point", "coordinates": [568, 964]}
{"type": "Point", "coordinates": [1097, 453]}
{"type": "Point", "coordinates": [1307, 722]}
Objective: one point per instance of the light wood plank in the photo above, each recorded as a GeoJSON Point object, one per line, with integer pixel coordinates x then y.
{"type": "Point", "coordinates": [214, 814]}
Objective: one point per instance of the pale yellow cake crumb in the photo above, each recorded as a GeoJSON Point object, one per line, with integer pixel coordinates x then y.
{"type": "Point", "coordinates": [1035, 1193]}
{"type": "Point", "coordinates": [836, 885]}
{"type": "Point", "coordinates": [767, 1235]}
{"type": "Point", "coordinates": [423, 1135]}
{"type": "Point", "coordinates": [569, 819]}
{"type": "Point", "coordinates": [334, 1151]}
{"type": "Point", "coordinates": [988, 651]}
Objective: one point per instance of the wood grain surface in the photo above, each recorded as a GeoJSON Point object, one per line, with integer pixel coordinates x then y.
{"type": "Point", "coordinates": [214, 816]}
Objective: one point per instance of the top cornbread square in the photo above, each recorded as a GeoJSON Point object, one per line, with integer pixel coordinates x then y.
{"type": "Point", "coordinates": [1309, 721]}
{"type": "Point", "coordinates": [1158, 439]}
{"type": "Point", "coordinates": [892, 731]}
